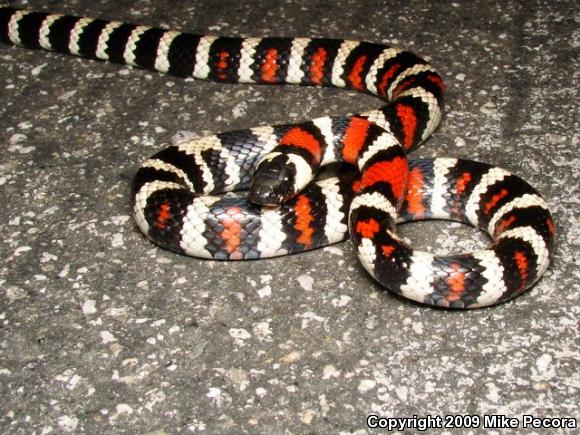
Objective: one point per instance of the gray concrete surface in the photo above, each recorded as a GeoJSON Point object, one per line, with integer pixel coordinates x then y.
{"type": "Point", "coordinates": [102, 332]}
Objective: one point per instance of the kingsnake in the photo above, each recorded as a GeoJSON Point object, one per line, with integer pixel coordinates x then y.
{"type": "Point", "coordinates": [171, 201]}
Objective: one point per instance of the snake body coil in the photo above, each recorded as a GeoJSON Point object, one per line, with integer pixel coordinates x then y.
{"type": "Point", "coordinates": [172, 200]}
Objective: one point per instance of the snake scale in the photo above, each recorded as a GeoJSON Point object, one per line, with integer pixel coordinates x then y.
{"type": "Point", "coordinates": [174, 192]}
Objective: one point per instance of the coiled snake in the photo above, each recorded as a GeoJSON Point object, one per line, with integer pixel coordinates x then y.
{"type": "Point", "coordinates": [172, 191]}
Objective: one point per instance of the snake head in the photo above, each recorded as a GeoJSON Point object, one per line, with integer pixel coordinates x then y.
{"type": "Point", "coordinates": [274, 181]}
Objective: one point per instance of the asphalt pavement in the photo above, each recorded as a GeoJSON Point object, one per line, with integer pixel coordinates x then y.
{"type": "Point", "coordinates": [103, 332]}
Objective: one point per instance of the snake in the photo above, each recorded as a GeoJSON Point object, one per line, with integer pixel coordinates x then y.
{"type": "Point", "coordinates": [369, 186]}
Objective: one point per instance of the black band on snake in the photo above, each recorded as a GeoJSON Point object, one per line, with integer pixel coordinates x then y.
{"type": "Point", "coordinates": [173, 200]}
